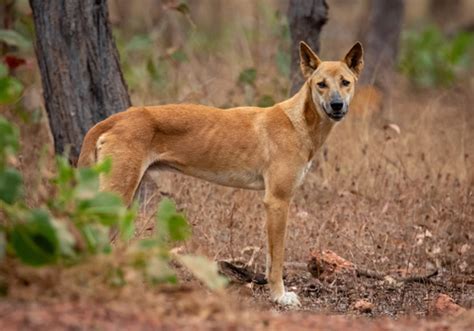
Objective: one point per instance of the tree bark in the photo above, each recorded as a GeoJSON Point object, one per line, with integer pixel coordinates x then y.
{"type": "Point", "coordinates": [80, 68]}
{"type": "Point", "coordinates": [382, 41]}
{"type": "Point", "coordinates": [446, 13]}
{"type": "Point", "coordinates": [306, 19]}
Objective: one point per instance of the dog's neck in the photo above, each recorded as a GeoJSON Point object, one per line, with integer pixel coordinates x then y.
{"type": "Point", "coordinates": [309, 117]}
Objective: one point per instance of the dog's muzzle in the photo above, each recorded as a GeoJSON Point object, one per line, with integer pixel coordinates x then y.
{"type": "Point", "coordinates": [336, 110]}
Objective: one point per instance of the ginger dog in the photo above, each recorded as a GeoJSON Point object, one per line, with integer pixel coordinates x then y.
{"type": "Point", "coordinates": [255, 148]}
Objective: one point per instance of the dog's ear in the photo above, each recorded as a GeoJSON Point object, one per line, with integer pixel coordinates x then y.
{"type": "Point", "coordinates": [354, 59]}
{"type": "Point", "coordinates": [309, 61]}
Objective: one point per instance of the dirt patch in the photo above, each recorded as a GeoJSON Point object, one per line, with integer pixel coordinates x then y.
{"type": "Point", "coordinates": [112, 316]}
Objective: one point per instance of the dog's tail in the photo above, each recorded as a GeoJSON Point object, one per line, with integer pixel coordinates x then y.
{"type": "Point", "coordinates": [88, 155]}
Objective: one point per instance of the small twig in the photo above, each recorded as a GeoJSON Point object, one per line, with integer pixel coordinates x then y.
{"type": "Point", "coordinates": [370, 274]}
{"type": "Point", "coordinates": [296, 265]}
{"type": "Point", "coordinates": [421, 279]}
{"type": "Point", "coordinates": [411, 279]}
{"type": "Point", "coordinates": [240, 274]}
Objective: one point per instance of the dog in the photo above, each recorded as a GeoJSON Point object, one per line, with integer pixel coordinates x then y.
{"type": "Point", "coordinates": [268, 149]}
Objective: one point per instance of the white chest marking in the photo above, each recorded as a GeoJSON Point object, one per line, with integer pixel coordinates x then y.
{"type": "Point", "coordinates": [303, 172]}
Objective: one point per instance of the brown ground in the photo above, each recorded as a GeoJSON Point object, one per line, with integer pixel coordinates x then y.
{"type": "Point", "coordinates": [400, 203]}
{"type": "Point", "coordinates": [397, 204]}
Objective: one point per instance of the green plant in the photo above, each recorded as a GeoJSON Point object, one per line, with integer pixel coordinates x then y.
{"type": "Point", "coordinates": [10, 87]}
{"type": "Point", "coordinates": [76, 222]}
{"type": "Point", "coordinates": [429, 58]}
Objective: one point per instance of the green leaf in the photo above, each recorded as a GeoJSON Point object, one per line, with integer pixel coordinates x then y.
{"type": "Point", "coordinates": [35, 242]}
{"type": "Point", "coordinates": [9, 138]}
{"type": "Point", "coordinates": [170, 223]}
{"type": "Point", "coordinates": [96, 237]}
{"type": "Point", "coordinates": [139, 43]}
{"type": "Point", "coordinates": [148, 243]}
{"type": "Point", "coordinates": [116, 277]}
{"type": "Point", "coordinates": [283, 62]}
{"type": "Point", "coordinates": [104, 166]}
{"type": "Point", "coordinates": [65, 238]}
{"type": "Point", "coordinates": [106, 207]}
{"type": "Point", "coordinates": [10, 185]}
{"type": "Point", "coordinates": [10, 90]}
{"type": "Point", "coordinates": [183, 8]}
{"type": "Point", "coordinates": [13, 38]}
{"type": "Point", "coordinates": [158, 270]}
{"type": "Point", "coordinates": [127, 224]}
{"type": "Point", "coordinates": [248, 76]}
{"type": "Point", "coordinates": [266, 101]}
{"type": "Point", "coordinates": [157, 72]}
{"type": "Point", "coordinates": [3, 245]}
{"type": "Point", "coordinates": [459, 47]}
{"type": "Point", "coordinates": [204, 270]}
{"type": "Point", "coordinates": [87, 183]}
{"type": "Point", "coordinates": [65, 171]}
{"type": "Point", "coordinates": [180, 56]}
{"type": "Point", "coordinates": [3, 70]}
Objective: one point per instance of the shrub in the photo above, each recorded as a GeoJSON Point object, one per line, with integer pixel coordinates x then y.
{"type": "Point", "coordinates": [430, 59]}
{"type": "Point", "coordinates": [77, 220]}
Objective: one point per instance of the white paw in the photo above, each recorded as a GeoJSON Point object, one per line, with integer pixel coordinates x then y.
{"type": "Point", "coordinates": [288, 299]}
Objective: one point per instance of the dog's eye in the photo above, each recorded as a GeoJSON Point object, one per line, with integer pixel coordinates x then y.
{"type": "Point", "coordinates": [322, 85]}
{"type": "Point", "coordinates": [345, 82]}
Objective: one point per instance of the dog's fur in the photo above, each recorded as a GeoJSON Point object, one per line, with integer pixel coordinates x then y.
{"type": "Point", "coordinates": [255, 148]}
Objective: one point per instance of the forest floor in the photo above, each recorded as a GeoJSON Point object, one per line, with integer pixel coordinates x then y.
{"type": "Point", "coordinates": [391, 193]}
{"type": "Point", "coordinates": [54, 299]}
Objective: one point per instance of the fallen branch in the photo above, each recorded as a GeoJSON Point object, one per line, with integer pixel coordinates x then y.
{"type": "Point", "coordinates": [411, 279]}
{"type": "Point", "coordinates": [240, 274]}
{"type": "Point", "coordinates": [370, 274]}
{"type": "Point", "coordinates": [421, 279]}
{"type": "Point", "coordinates": [326, 264]}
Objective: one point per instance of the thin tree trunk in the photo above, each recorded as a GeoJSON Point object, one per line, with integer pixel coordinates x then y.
{"type": "Point", "coordinates": [80, 68]}
{"type": "Point", "coordinates": [446, 13]}
{"type": "Point", "coordinates": [382, 41]}
{"type": "Point", "coordinates": [306, 18]}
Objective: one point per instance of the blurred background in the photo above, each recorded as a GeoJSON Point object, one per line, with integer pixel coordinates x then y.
{"type": "Point", "coordinates": [393, 185]}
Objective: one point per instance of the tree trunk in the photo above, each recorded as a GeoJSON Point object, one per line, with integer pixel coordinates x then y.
{"type": "Point", "coordinates": [80, 68]}
{"type": "Point", "coordinates": [381, 42]}
{"type": "Point", "coordinates": [446, 13]}
{"type": "Point", "coordinates": [306, 18]}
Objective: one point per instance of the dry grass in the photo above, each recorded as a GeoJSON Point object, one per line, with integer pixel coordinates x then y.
{"type": "Point", "coordinates": [388, 201]}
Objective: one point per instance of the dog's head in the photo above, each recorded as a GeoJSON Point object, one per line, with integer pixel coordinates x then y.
{"type": "Point", "coordinates": [332, 82]}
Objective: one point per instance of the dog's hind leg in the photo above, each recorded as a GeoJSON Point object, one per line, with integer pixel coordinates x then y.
{"type": "Point", "coordinates": [129, 163]}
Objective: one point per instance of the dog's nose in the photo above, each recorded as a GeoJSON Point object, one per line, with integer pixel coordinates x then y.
{"type": "Point", "coordinates": [337, 105]}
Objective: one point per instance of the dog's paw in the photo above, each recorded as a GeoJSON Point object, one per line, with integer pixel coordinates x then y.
{"type": "Point", "coordinates": [288, 299]}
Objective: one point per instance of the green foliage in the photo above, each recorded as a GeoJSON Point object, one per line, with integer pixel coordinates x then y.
{"type": "Point", "coordinates": [35, 241]}
{"type": "Point", "coordinates": [248, 76]}
{"type": "Point", "coordinates": [10, 179]}
{"type": "Point", "coordinates": [266, 101]}
{"type": "Point", "coordinates": [78, 220]}
{"type": "Point", "coordinates": [10, 87]}
{"type": "Point", "coordinates": [8, 140]}
{"type": "Point", "coordinates": [171, 225]}
{"type": "Point", "coordinates": [204, 270]}
{"type": "Point", "coordinates": [179, 56]}
{"type": "Point", "coordinates": [10, 185]}
{"type": "Point", "coordinates": [13, 38]}
{"type": "Point", "coordinates": [283, 62]}
{"type": "Point", "coordinates": [143, 65]}
{"type": "Point", "coordinates": [183, 8]}
{"type": "Point", "coordinates": [431, 59]}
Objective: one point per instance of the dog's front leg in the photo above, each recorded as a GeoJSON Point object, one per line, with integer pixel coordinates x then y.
{"type": "Point", "coordinates": [277, 212]}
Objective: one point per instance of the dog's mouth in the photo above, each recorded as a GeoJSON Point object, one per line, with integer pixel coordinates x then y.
{"type": "Point", "coordinates": [334, 115]}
